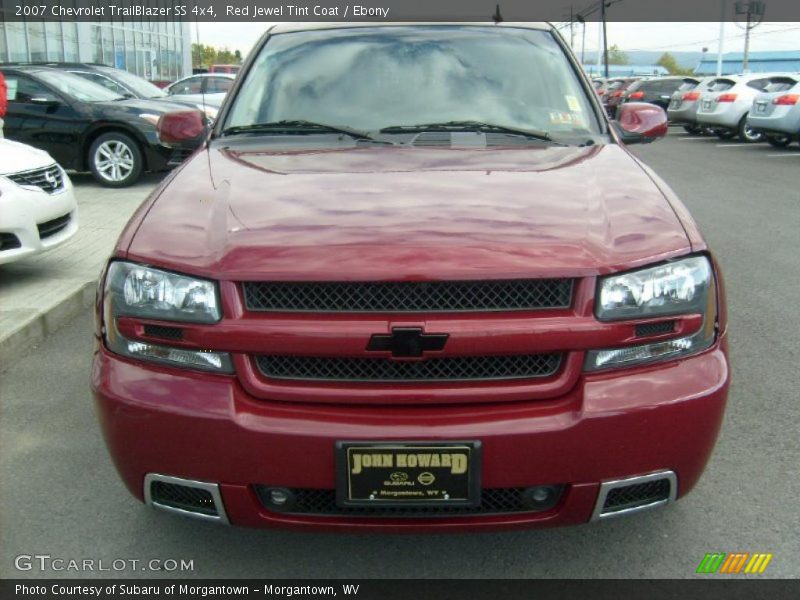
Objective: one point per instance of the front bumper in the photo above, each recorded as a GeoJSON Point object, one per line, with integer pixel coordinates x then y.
{"type": "Point", "coordinates": [25, 210]}
{"type": "Point", "coordinates": [610, 426]}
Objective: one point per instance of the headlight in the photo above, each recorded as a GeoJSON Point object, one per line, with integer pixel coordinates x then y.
{"type": "Point", "coordinates": [679, 287]}
{"type": "Point", "coordinates": [150, 118]}
{"type": "Point", "coordinates": [138, 291]}
{"type": "Point", "coordinates": [682, 287]}
{"type": "Point", "coordinates": [211, 112]}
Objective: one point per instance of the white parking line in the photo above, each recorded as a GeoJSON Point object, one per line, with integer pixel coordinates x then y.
{"type": "Point", "coordinates": [732, 145]}
{"type": "Point", "coordinates": [795, 155]}
{"type": "Point", "coordinates": [687, 138]}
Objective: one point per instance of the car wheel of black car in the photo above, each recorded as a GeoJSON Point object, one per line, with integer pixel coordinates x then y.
{"type": "Point", "coordinates": [747, 134]}
{"type": "Point", "coordinates": [692, 129]}
{"type": "Point", "coordinates": [116, 160]}
{"type": "Point", "coordinates": [724, 134]}
{"type": "Point", "coordinates": [779, 141]}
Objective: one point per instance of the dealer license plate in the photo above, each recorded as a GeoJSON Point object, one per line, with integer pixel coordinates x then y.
{"type": "Point", "coordinates": [408, 474]}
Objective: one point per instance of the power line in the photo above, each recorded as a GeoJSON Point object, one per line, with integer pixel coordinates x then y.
{"type": "Point", "coordinates": [714, 39]}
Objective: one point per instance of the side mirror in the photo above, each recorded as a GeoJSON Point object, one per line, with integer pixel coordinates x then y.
{"type": "Point", "coordinates": [640, 123]}
{"type": "Point", "coordinates": [180, 126]}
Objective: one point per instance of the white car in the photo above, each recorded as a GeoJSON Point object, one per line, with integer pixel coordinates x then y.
{"type": "Point", "coordinates": [37, 205]}
{"type": "Point", "coordinates": [725, 104]}
{"type": "Point", "coordinates": [205, 90]}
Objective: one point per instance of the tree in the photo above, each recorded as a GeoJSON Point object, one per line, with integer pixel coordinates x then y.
{"type": "Point", "coordinates": [204, 56]}
{"type": "Point", "coordinates": [671, 65]}
{"type": "Point", "coordinates": [617, 56]}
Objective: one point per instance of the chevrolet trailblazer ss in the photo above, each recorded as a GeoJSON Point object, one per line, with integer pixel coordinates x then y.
{"type": "Point", "coordinates": [413, 281]}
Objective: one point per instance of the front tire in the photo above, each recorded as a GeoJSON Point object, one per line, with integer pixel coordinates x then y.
{"type": "Point", "coordinates": [692, 129]}
{"type": "Point", "coordinates": [747, 134]}
{"type": "Point", "coordinates": [116, 160]}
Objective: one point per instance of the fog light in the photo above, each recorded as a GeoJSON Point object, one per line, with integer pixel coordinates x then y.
{"type": "Point", "coordinates": [541, 497]}
{"type": "Point", "coordinates": [279, 499]}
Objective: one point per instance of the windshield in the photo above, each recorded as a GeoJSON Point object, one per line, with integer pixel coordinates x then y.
{"type": "Point", "coordinates": [371, 78]}
{"type": "Point", "coordinates": [141, 87]}
{"type": "Point", "coordinates": [77, 87]}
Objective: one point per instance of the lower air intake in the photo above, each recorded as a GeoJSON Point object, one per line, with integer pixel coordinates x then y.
{"type": "Point", "coordinates": [626, 496]}
{"type": "Point", "coordinates": [322, 502]}
{"type": "Point", "coordinates": [185, 497]}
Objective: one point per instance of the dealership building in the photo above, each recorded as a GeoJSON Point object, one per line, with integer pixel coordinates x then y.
{"type": "Point", "coordinates": [156, 50]}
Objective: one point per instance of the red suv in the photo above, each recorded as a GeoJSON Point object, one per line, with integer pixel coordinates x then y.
{"type": "Point", "coordinates": [413, 281]}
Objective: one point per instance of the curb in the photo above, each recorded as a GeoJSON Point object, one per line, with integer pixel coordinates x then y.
{"type": "Point", "coordinates": [46, 322]}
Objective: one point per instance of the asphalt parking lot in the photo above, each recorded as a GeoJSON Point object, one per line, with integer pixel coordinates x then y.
{"type": "Point", "coordinates": [61, 496]}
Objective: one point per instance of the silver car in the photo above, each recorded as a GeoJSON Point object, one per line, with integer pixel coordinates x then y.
{"type": "Point", "coordinates": [683, 105]}
{"type": "Point", "coordinates": [206, 90]}
{"type": "Point", "coordinates": [727, 102]}
{"type": "Point", "coordinates": [776, 112]}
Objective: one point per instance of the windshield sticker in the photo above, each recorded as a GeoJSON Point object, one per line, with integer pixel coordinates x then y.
{"type": "Point", "coordinates": [573, 103]}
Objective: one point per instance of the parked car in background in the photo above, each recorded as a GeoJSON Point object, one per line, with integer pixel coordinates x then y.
{"type": "Point", "coordinates": [205, 90]}
{"type": "Point", "coordinates": [614, 89]}
{"type": "Point", "coordinates": [128, 85]}
{"type": "Point", "coordinates": [435, 294]}
{"type": "Point", "coordinates": [682, 108]}
{"type": "Point", "coordinates": [234, 69]}
{"type": "Point", "coordinates": [202, 83]}
{"type": "Point", "coordinates": [86, 127]}
{"type": "Point", "coordinates": [776, 111]}
{"type": "Point", "coordinates": [37, 204]}
{"type": "Point", "coordinates": [658, 90]}
{"type": "Point", "coordinates": [728, 100]}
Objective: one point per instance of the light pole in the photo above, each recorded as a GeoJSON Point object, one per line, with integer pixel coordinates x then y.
{"type": "Point", "coordinates": [605, 39]}
{"type": "Point", "coordinates": [754, 14]}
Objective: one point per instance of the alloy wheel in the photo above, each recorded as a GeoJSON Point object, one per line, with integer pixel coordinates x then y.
{"type": "Point", "coordinates": [114, 160]}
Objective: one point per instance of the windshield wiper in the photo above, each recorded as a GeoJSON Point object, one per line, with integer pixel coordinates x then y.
{"type": "Point", "coordinates": [471, 126]}
{"type": "Point", "coordinates": [298, 126]}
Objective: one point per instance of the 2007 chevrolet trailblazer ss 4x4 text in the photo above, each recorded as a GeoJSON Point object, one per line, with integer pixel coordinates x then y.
{"type": "Point", "coordinates": [414, 281]}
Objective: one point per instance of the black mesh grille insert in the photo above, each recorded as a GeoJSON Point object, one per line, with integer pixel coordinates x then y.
{"type": "Point", "coordinates": [638, 494]}
{"type": "Point", "coordinates": [49, 228]}
{"type": "Point", "coordinates": [323, 502]}
{"type": "Point", "coordinates": [451, 368]}
{"type": "Point", "coordinates": [409, 296]}
{"type": "Point", "coordinates": [167, 333]}
{"type": "Point", "coordinates": [655, 328]}
{"type": "Point", "coordinates": [183, 497]}
{"type": "Point", "coordinates": [8, 241]}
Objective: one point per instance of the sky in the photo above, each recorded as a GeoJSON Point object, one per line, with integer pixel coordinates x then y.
{"type": "Point", "coordinates": [628, 36]}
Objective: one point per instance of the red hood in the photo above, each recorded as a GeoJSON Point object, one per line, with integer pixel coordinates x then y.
{"type": "Point", "coordinates": [409, 213]}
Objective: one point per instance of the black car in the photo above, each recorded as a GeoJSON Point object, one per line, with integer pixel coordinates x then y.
{"type": "Point", "coordinates": [87, 127]}
{"type": "Point", "coordinates": [658, 90]}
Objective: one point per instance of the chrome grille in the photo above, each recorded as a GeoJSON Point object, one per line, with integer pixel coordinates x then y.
{"type": "Point", "coordinates": [377, 370]}
{"type": "Point", "coordinates": [409, 296]}
{"type": "Point", "coordinates": [50, 179]}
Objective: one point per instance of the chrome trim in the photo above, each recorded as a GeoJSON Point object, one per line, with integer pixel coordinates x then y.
{"type": "Point", "coordinates": [212, 488]}
{"type": "Point", "coordinates": [607, 486]}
